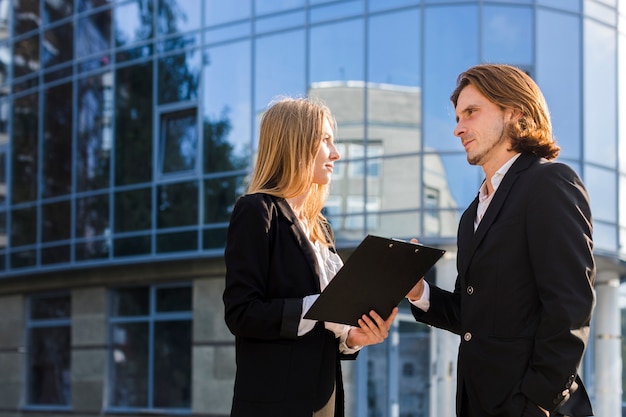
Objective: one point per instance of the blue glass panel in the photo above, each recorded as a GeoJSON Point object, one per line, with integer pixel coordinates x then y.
{"type": "Point", "coordinates": [569, 5]}
{"type": "Point", "coordinates": [24, 148]}
{"type": "Point", "coordinates": [450, 47]}
{"type": "Point", "coordinates": [374, 6]}
{"type": "Point", "coordinates": [507, 35]}
{"type": "Point", "coordinates": [558, 73]}
{"type": "Point", "coordinates": [56, 221]}
{"type": "Point", "coordinates": [280, 22]}
{"type": "Point", "coordinates": [57, 144]}
{"type": "Point", "coordinates": [272, 6]}
{"type": "Point", "coordinates": [220, 11]}
{"type": "Point", "coordinates": [133, 210]}
{"type": "Point", "coordinates": [337, 52]}
{"type": "Point", "coordinates": [179, 76]}
{"type": "Point", "coordinates": [179, 16]}
{"type": "Point", "coordinates": [457, 180]}
{"type": "Point", "coordinates": [93, 34]}
{"type": "Point", "coordinates": [133, 22]}
{"type": "Point", "coordinates": [227, 105]}
{"type": "Point", "coordinates": [26, 56]}
{"type": "Point", "coordinates": [600, 84]}
{"type": "Point", "coordinates": [177, 205]}
{"type": "Point", "coordinates": [94, 132]}
{"type": "Point", "coordinates": [400, 64]}
{"type": "Point", "coordinates": [602, 187]}
{"type": "Point", "coordinates": [601, 12]}
{"type": "Point", "coordinates": [57, 10]}
{"type": "Point", "coordinates": [336, 11]}
{"type": "Point", "coordinates": [92, 216]}
{"type": "Point", "coordinates": [280, 67]}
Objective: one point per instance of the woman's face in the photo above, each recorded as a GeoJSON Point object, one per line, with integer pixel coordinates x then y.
{"type": "Point", "coordinates": [326, 156]}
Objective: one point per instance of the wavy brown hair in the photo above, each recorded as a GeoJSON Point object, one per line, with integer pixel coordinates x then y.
{"type": "Point", "coordinates": [290, 137]}
{"type": "Point", "coordinates": [510, 87]}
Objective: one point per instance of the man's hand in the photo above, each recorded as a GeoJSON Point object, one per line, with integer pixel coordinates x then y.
{"type": "Point", "coordinates": [416, 292]}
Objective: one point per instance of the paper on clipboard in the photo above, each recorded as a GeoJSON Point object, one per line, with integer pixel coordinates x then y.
{"type": "Point", "coordinates": [377, 276]}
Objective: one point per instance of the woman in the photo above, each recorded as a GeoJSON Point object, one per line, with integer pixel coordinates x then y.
{"type": "Point", "coordinates": [279, 256]}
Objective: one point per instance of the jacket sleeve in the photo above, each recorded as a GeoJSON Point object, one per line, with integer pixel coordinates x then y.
{"type": "Point", "coordinates": [249, 309]}
{"type": "Point", "coordinates": [561, 251]}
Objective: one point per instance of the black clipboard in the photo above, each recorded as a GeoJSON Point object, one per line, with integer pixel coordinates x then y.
{"type": "Point", "coordinates": [377, 276]}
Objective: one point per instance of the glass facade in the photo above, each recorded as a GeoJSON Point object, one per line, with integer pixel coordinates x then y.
{"type": "Point", "coordinates": [130, 125]}
{"type": "Point", "coordinates": [128, 128]}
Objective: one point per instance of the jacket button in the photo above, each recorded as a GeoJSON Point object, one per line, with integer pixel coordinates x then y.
{"type": "Point", "coordinates": [467, 336]}
{"type": "Point", "coordinates": [470, 290]}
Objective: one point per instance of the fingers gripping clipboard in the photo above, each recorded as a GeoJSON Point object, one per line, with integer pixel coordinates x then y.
{"type": "Point", "coordinates": [377, 276]}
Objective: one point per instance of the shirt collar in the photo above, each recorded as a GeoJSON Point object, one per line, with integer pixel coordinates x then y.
{"type": "Point", "coordinates": [497, 178]}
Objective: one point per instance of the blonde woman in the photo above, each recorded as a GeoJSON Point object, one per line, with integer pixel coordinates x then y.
{"type": "Point", "coordinates": [279, 256]}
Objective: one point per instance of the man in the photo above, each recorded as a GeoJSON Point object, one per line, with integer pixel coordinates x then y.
{"type": "Point", "coordinates": [524, 293]}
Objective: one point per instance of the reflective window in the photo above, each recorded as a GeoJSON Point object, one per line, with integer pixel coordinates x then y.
{"type": "Point", "coordinates": [337, 52]}
{"type": "Point", "coordinates": [93, 34]}
{"type": "Point", "coordinates": [219, 11]}
{"type": "Point", "coordinates": [179, 16]}
{"type": "Point", "coordinates": [5, 19]}
{"type": "Point", "coordinates": [600, 84]}
{"type": "Point", "coordinates": [26, 56]}
{"type": "Point", "coordinates": [5, 61]}
{"type": "Point", "coordinates": [27, 16]}
{"type": "Point", "coordinates": [84, 5]}
{"type": "Point", "coordinates": [133, 210]}
{"type": "Point", "coordinates": [559, 77]}
{"type": "Point", "coordinates": [601, 12]}
{"type": "Point", "coordinates": [58, 45]}
{"type": "Point", "coordinates": [507, 35]}
{"type": "Point", "coordinates": [92, 227]}
{"type": "Point", "coordinates": [55, 221]}
{"type": "Point", "coordinates": [445, 57]}
{"type": "Point", "coordinates": [133, 124]}
{"type": "Point", "coordinates": [219, 196]}
{"type": "Point", "coordinates": [177, 204]}
{"type": "Point", "coordinates": [57, 143]}
{"type": "Point", "coordinates": [399, 65]}
{"type": "Point", "coordinates": [602, 187]}
{"type": "Point", "coordinates": [23, 226]}
{"type": "Point", "coordinates": [4, 149]}
{"type": "Point", "coordinates": [272, 6]}
{"type": "Point", "coordinates": [57, 10]}
{"type": "Point", "coordinates": [133, 22]}
{"type": "Point", "coordinates": [179, 76]}
{"type": "Point", "coordinates": [281, 21]}
{"type": "Point", "coordinates": [336, 11]}
{"type": "Point", "coordinates": [227, 106]}
{"type": "Point", "coordinates": [94, 132]}
{"type": "Point", "coordinates": [150, 332]}
{"type": "Point", "coordinates": [573, 6]}
{"type": "Point", "coordinates": [279, 67]}
{"type": "Point", "coordinates": [621, 105]}
{"type": "Point", "coordinates": [179, 142]}
{"type": "Point", "coordinates": [457, 181]}
{"type": "Point", "coordinates": [49, 350]}
{"type": "Point", "coordinates": [390, 4]}
{"type": "Point", "coordinates": [24, 148]}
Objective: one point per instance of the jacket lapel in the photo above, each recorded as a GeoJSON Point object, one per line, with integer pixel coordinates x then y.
{"type": "Point", "coordinates": [301, 238]}
{"type": "Point", "coordinates": [466, 227]}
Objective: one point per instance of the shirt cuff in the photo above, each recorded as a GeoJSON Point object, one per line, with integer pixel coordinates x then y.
{"type": "Point", "coordinates": [424, 302]}
{"type": "Point", "coordinates": [343, 346]}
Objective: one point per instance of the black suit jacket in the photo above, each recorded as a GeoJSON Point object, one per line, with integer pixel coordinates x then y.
{"type": "Point", "coordinates": [524, 295]}
{"type": "Point", "coordinates": [270, 267]}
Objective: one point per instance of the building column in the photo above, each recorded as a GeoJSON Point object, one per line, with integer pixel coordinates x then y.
{"type": "Point", "coordinates": [444, 350]}
{"type": "Point", "coordinates": [607, 355]}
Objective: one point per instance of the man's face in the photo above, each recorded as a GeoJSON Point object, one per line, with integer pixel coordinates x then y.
{"type": "Point", "coordinates": [481, 126]}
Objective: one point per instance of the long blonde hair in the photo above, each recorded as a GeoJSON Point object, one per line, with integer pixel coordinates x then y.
{"type": "Point", "coordinates": [509, 87]}
{"type": "Point", "coordinates": [290, 137]}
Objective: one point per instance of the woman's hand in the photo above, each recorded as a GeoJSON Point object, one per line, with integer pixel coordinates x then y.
{"type": "Point", "coordinates": [372, 329]}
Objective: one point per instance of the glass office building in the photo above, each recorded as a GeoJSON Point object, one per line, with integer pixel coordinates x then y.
{"type": "Point", "coordinates": [128, 128]}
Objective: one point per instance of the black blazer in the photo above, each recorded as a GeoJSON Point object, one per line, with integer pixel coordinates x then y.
{"type": "Point", "coordinates": [270, 267]}
{"type": "Point", "coordinates": [524, 294]}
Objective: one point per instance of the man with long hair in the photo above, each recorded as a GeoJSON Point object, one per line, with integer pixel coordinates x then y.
{"type": "Point", "coordinates": [524, 294]}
